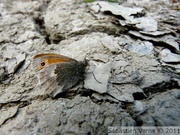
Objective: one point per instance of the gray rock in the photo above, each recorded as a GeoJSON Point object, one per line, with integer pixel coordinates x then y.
{"type": "Point", "coordinates": [20, 57]}
{"type": "Point", "coordinates": [4, 79]}
{"type": "Point", "coordinates": [163, 109]}
{"type": "Point", "coordinates": [167, 39]}
{"type": "Point", "coordinates": [154, 33]}
{"type": "Point", "coordinates": [140, 106]}
{"type": "Point", "coordinates": [169, 57]}
{"type": "Point", "coordinates": [79, 116]}
{"type": "Point", "coordinates": [124, 92]}
{"type": "Point", "coordinates": [99, 81]}
{"type": "Point", "coordinates": [125, 45]}
{"type": "Point", "coordinates": [96, 97]}
{"type": "Point", "coordinates": [11, 64]}
{"type": "Point", "coordinates": [14, 62]}
{"type": "Point", "coordinates": [23, 30]}
{"type": "Point", "coordinates": [177, 94]}
{"type": "Point", "coordinates": [120, 10]}
{"type": "Point", "coordinates": [10, 52]}
{"type": "Point", "coordinates": [7, 114]}
{"type": "Point", "coordinates": [101, 57]}
{"type": "Point", "coordinates": [74, 22]}
{"type": "Point", "coordinates": [142, 48]}
{"type": "Point", "coordinates": [147, 24]}
{"type": "Point", "coordinates": [25, 47]}
{"type": "Point", "coordinates": [9, 95]}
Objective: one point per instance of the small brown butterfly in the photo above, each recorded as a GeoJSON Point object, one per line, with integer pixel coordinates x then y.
{"type": "Point", "coordinates": [58, 73]}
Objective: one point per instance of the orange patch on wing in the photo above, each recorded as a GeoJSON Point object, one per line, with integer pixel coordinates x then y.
{"type": "Point", "coordinates": [51, 58]}
{"type": "Point", "coordinates": [57, 60]}
{"type": "Point", "coordinates": [50, 61]}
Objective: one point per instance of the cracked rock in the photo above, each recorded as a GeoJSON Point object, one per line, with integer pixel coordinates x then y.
{"type": "Point", "coordinates": [99, 81]}
{"type": "Point", "coordinates": [74, 22]}
{"type": "Point", "coordinates": [6, 114]}
{"type": "Point", "coordinates": [124, 92]}
{"type": "Point", "coordinates": [142, 48]}
{"type": "Point", "coordinates": [167, 39]}
{"type": "Point", "coordinates": [14, 63]}
{"type": "Point", "coordinates": [116, 9]}
{"type": "Point", "coordinates": [159, 114]}
{"type": "Point", "coordinates": [82, 117]}
{"type": "Point", "coordinates": [133, 72]}
{"type": "Point", "coordinates": [169, 57]}
{"type": "Point", "coordinates": [128, 14]}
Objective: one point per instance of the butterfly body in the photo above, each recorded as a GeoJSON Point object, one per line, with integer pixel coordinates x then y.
{"type": "Point", "coordinates": [58, 73]}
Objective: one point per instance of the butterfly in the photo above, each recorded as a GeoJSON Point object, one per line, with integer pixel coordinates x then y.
{"type": "Point", "coordinates": [57, 73]}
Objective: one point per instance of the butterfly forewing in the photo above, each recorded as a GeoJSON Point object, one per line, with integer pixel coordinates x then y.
{"type": "Point", "coordinates": [57, 73]}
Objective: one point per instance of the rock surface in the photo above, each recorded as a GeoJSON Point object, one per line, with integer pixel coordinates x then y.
{"type": "Point", "coordinates": [133, 72]}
